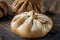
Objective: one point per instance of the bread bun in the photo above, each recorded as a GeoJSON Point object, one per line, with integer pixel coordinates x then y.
{"type": "Point", "coordinates": [3, 9]}
{"type": "Point", "coordinates": [20, 6]}
{"type": "Point", "coordinates": [31, 25]}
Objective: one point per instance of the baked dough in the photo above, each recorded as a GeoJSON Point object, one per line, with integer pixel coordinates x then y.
{"type": "Point", "coordinates": [3, 9]}
{"type": "Point", "coordinates": [20, 6]}
{"type": "Point", "coordinates": [31, 24]}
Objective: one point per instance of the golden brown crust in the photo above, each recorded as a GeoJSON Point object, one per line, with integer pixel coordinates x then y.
{"type": "Point", "coordinates": [20, 6]}
{"type": "Point", "coordinates": [31, 24]}
{"type": "Point", "coordinates": [4, 8]}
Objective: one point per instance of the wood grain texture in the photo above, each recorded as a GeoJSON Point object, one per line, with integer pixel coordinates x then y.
{"type": "Point", "coordinates": [7, 34]}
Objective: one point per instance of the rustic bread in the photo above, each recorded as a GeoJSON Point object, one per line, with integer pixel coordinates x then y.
{"type": "Point", "coordinates": [31, 24]}
{"type": "Point", "coordinates": [20, 6]}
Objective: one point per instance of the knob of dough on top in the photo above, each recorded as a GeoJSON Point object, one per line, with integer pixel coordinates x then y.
{"type": "Point", "coordinates": [31, 24]}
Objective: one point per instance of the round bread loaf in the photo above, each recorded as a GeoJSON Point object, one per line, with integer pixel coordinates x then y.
{"type": "Point", "coordinates": [3, 9]}
{"type": "Point", "coordinates": [31, 25]}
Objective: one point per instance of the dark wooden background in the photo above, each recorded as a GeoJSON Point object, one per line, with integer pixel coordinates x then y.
{"type": "Point", "coordinates": [7, 34]}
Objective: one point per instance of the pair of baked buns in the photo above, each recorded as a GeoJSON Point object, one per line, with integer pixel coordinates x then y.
{"type": "Point", "coordinates": [3, 9]}
{"type": "Point", "coordinates": [31, 24]}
